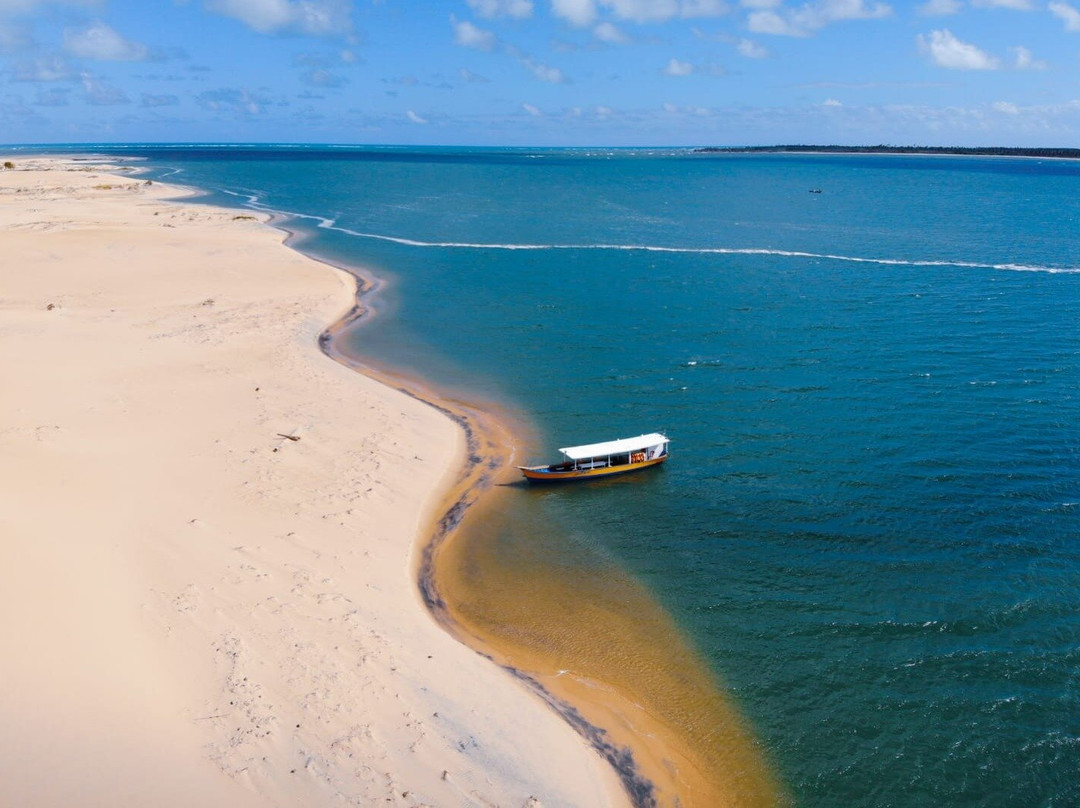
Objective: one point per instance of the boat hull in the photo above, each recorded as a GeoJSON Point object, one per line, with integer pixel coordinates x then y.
{"type": "Point", "coordinates": [544, 474]}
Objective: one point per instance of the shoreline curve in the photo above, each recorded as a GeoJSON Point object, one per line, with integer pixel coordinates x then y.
{"type": "Point", "coordinates": [489, 446]}
{"type": "Point", "coordinates": [676, 775]}
{"type": "Point", "coordinates": [486, 456]}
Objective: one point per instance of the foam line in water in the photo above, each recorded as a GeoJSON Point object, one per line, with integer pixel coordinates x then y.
{"type": "Point", "coordinates": [331, 224]}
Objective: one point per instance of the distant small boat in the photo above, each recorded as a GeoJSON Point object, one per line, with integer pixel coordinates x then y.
{"type": "Point", "coordinates": [815, 190]}
{"type": "Point", "coordinates": [602, 459]}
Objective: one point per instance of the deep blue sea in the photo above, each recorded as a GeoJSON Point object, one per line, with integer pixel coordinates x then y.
{"type": "Point", "coordinates": [870, 522]}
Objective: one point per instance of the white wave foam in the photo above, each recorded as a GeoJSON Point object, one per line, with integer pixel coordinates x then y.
{"type": "Point", "coordinates": [331, 224]}
{"type": "Point", "coordinates": [470, 245]}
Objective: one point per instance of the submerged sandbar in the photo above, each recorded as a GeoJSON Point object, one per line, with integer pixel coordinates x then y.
{"type": "Point", "coordinates": [581, 633]}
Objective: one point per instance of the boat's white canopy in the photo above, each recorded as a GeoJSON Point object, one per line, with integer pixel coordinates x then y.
{"type": "Point", "coordinates": [614, 447]}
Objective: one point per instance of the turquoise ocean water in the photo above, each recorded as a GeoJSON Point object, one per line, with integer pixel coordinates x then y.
{"type": "Point", "coordinates": [870, 523]}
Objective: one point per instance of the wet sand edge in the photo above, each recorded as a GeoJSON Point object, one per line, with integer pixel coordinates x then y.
{"type": "Point", "coordinates": [487, 458]}
{"type": "Point", "coordinates": [663, 771]}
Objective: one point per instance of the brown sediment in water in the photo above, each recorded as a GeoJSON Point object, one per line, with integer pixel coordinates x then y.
{"type": "Point", "coordinates": [590, 636]}
{"type": "Point", "coordinates": [586, 638]}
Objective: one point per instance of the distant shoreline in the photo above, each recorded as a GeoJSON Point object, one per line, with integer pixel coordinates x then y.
{"type": "Point", "coordinates": [975, 151]}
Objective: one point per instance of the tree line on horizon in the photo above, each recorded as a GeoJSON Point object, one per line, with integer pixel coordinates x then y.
{"type": "Point", "coordinates": [987, 151]}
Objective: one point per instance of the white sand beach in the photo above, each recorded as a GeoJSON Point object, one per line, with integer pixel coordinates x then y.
{"type": "Point", "coordinates": [208, 531]}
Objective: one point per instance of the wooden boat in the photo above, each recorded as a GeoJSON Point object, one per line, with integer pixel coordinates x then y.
{"type": "Point", "coordinates": [602, 459]}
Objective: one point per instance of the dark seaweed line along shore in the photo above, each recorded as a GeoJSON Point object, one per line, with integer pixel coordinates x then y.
{"type": "Point", "coordinates": [485, 459]}
{"type": "Point", "coordinates": [483, 463]}
{"type": "Point", "coordinates": [645, 745]}
{"type": "Point", "coordinates": [637, 731]}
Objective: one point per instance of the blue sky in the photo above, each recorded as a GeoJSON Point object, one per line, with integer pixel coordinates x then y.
{"type": "Point", "coordinates": [541, 72]}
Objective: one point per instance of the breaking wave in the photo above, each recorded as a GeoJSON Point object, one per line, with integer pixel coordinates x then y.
{"type": "Point", "coordinates": [331, 224]}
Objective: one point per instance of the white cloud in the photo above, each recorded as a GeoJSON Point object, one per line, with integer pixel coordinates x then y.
{"type": "Point", "coordinates": [242, 103]}
{"type": "Point", "coordinates": [1015, 5]}
{"type": "Point", "coordinates": [320, 18]}
{"type": "Point", "coordinates": [99, 41]}
{"type": "Point", "coordinates": [412, 116]}
{"type": "Point", "coordinates": [1023, 60]}
{"type": "Point", "coordinates": [831, 102]}
{"type": "Point", "coordinates": [576, 12]}
{"type": "Point", "coordinates": [817, 15]}
{"type": "Point", "coordinates": [643, 10]}
{"type": "Point", "coordinates": [150, 101]}
{"type": "Point", "coordinates": [1007, 107]}
{"type": "Point", "coordinates": [100, 93]}
{"type": "Point", "coordinates": [677, 68]}
{"type": "Point", "coordinates": [949, 124]}
{"type": "Point", "coordinates": [751, 49]}
{"type": "Point", "coordinates": [582, 13]}
{"type": "Point", "coordinates": [769, 22]}
{"type": "Point", "coordinates": [473, 78]}
{"type": "Point", "coordinates": [703, 8]}
{"type": "Point", "coordinates": [688, 110]}
{"type": "Point", "coordinates": [1069, 15]}
{"type": "Point", "coordinates": [534, 111]}
{"type": "Point", "coordinates": [44, 68]}
{"type": "Point", "coordinates": [519, 9]}
{"type": "Point", "coordinates": [814, 16]}
{"type": "Point", "coordinates": [940, 8]}
{"type": "Point", "coordinates": [30, 6]}
{"type": "Point", "coordinates": [552, 75]}
{"type": "Point", "coordinates": [674, 109]}
{"type": "Point", "coordinates": [318, 77]}
{"type": "Point", "coordinates": [947, 51]}
{"type": "Point", "coordinates": [470, 36]}
{"type": "Point", "coordinates": [610, 33]}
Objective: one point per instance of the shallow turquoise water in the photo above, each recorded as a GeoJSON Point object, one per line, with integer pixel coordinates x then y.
{"type": "Point", "coordinates": [869, 522]}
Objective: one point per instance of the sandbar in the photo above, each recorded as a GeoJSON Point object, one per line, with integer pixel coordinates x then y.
{"type": "Point", "coordinates": [210, 532]}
